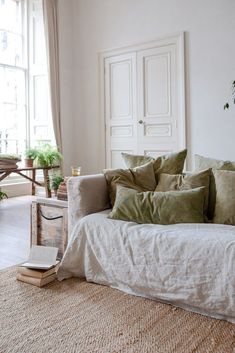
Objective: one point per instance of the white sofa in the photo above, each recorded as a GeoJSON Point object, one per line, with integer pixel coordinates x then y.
{"type": "Point", "coordinates": [188, 265]}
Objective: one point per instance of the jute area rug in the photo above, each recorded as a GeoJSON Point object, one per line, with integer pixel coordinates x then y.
{"type": "Point", "coordinates": [76, 316]}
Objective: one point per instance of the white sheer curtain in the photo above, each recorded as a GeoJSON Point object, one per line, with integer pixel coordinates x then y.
{"type": "Point", "coordinates": [51, 35]}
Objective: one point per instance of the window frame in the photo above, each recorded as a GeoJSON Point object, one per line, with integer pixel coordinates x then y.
{"type": "Point", "coordinates": [28, 9]}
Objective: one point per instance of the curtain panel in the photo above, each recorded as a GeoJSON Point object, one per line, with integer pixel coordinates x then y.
{"type": "Point", "coordinates": [52, 47]}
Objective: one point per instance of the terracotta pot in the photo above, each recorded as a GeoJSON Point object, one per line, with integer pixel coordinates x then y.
{"type": "Point", "coordinates": [28, 162]}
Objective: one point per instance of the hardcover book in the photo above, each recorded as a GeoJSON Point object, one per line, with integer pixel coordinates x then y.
{"type": "Point", "coordinates": [39, 282]}
{"type": "Point", "coordinates": [41, 257]}
{"type": "Point", "coordinates": [37, 273]}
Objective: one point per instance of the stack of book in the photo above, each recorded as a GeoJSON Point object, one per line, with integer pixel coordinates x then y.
{"type": "Point", "coordinates": [62, 191]}
{"type": "Point", "coordinates": [38, 277]}
{"type": "Point", "coordinates": [41, 266]}
{"type": "Point", "coordinates": [8, 161]}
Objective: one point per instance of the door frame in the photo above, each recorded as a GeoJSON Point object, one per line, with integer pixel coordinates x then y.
{"type": "Point", "coordinates": [176, 39]}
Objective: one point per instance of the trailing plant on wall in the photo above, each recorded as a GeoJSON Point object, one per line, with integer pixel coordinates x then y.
{"type": "Point", "coordinates": [227, 105]}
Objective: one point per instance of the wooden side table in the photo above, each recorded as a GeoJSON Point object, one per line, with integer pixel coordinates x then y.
{"type": "Point", "coordinates": [49, 223]}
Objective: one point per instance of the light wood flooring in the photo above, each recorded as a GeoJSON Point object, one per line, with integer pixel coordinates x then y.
{"type": "Point", "coordinates": [14, 230]}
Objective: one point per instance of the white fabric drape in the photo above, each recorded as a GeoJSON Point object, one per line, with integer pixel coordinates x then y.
{"type": "Point", "coordinates": [51, 35]}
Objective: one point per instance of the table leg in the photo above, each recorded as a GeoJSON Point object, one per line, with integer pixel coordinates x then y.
{"type": "Point", "coordinates": [46, 182]}
{"type": "Point", "coordinates": [33, 178]}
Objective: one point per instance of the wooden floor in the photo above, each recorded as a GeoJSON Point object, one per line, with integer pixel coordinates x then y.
{"type": "Point", "coordinates": [14, 230]}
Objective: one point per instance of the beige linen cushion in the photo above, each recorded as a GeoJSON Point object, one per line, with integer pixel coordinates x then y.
{"type": "Point", "coordinates": [168, 207]}
{"type": "Point", "coordinates": [225, 197]}
{"type": "Point", "coordinates": [169, 182]}
{"type": "Point", "coordinates": [202, 163]}
{"type": "Point", "coordinates": [172, 163]}
{"type": "Point", "coordinates": [141, 178]}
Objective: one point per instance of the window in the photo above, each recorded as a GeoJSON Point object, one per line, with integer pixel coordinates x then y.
{"type": "Point", "coordinates": [25, 117]}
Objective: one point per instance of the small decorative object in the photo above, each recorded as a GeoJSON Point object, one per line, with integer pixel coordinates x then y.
{"type": "Point", "coordinates": [48, 156]}
{"type": "Point", "coordinates": [76, 171]}
{"type": "Point", "coordinates": [62, 193]}
{"type": "Point", "coordinates": [30, 155]}
{"type": "Point", "coordinates": [55, 180]}
{"type": "Point", "coordinates": [227, 105]}
{"type": "Point", "coordinates": [3, 195]}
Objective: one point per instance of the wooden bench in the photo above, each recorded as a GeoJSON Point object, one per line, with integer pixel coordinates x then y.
{"type": "Point", "coordinates": [32, 178]}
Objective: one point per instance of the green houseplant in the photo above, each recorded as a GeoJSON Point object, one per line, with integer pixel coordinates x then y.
{"type": "Point", "coordinates": [55, 180]}
{"type": "Point", "coordinates": [30, 155]}
{"type": "Point", "coordinates": [48, 156]}
{"type": "Point", "coordinates": [3, 195]}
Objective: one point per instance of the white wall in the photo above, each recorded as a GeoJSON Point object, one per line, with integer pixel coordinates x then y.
{"type": "Point", "coordinates": [97, 25]}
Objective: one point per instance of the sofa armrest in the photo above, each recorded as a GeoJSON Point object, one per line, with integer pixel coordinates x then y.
{"type": "Point", "coordinates": [86, 194]}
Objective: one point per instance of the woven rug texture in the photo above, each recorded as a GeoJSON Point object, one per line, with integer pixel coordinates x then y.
{"type": "Point", "coordinates": [76, 316]}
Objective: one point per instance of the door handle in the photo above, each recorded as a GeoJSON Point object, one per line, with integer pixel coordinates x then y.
{"type": "Point", "coordinates": [141, 122]}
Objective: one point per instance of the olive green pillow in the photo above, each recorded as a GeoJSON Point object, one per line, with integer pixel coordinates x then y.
{"type": "Point", "coordinates": [206, 162]}
{"type": "Point", "coordinates": [216, 164]}
{"type": "Point", "coordinates": [168, 207]}
{"type": "Point", "coordinates": [141, 178]}
{"type": "Point", "coordinates": [172, 163]}
{"type": "Point", "coordinates": [132, 160]}
{"type": "Point", "coordinates": [225, 197]}
{"type": "Point", "coordinates": [169, 182]}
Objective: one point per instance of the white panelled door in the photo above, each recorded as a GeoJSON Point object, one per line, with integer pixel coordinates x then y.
{"type": "Point", "coordinates": [157, 101]}
{"type": "Point", "coordinates": [120, 107]}
{"type": "Point", "coordinates": [144, 100]}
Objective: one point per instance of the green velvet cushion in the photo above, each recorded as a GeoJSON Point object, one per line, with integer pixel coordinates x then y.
{"type": "Point", "coordinates": [172, 163]}
{"type": "Point", "coordinates": [141, 178]}
{"type": "Point", "coordinates": [225, 197]}
{"type": "Point", "coordinates": [168, 207]}
{"type": "Point", "coordinates": [216, 164]}
{"type": "Point", "coordinates": [206, 162]}
{"type": "Point", "coordinates": [132, 160]}
{"type": "Point", "coordinates": [169, 182]}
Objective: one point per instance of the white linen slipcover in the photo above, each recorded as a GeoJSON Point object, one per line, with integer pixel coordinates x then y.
{"type": "Point", "coordinates": [189, 265]}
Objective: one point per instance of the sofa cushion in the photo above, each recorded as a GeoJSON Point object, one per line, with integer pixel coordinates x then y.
{"type": "Point", "coordinates": [225, 197]}
{"type": "Point", "coordinates": [169, 182]}
{"type": "Point", "coordinates": [172, 163]}
{"type": "Point", "coordinates": [141, 179]}
{"type": "Point", "coordinates": [202, 163]}
{"type": "Point", "coordinates": [206, 162]}
{"type": "Point", "coordinates": [168, 207]}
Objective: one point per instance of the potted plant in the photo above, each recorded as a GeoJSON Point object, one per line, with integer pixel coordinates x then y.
{"type": "Point", "coordinates": [3, 195]}
{"type": "Point", "coordinates": [55, 180]}
{"type": "Point", "coordinates": [30, 155]}
{"type": "Point", "coordinates": [48, 156]}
